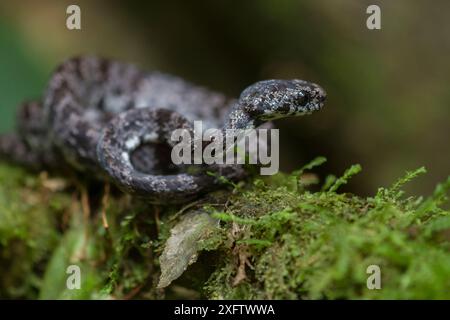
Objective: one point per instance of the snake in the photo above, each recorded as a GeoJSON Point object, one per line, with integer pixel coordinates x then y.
{"type": "Point", "coordinates": [111, 120]}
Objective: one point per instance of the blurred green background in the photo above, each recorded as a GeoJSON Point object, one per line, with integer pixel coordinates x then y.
{"type": "Point", "coordinates": [389, 90]}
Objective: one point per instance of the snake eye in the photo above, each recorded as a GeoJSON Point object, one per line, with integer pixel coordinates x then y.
{"type": "Point", "coordinates": [301, 98]}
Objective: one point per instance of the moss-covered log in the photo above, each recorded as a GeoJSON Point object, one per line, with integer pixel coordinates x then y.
{"type": "Point", "coordinates": [281, 237]}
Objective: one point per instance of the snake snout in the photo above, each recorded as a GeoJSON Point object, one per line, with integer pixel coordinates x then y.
{"type": "Point", "coordinates": [321, 94]}
{"type": "Point", "coordinates": [317, 96]}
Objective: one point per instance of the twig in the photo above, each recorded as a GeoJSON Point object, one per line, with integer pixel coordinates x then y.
{"type": "Point", "coordinates": [157, 220]}
{"type": "Point", "coordinates": [105, 204]}
{"type": "Point", "coordinates": [86, 214]}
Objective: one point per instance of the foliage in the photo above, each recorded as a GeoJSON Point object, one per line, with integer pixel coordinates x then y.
{"type": "Point", "coordinates": [281, 237]}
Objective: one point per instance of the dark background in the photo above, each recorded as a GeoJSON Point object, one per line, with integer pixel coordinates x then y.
{"type": "Point", "coordinates": [389, 95]}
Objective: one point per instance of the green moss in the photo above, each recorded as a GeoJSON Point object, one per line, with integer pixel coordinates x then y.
{"type": "Point", "coordinates": [28, 231]}
{"type": "Point", "coordinates": [303, 245]}
{"type": "Point", "coordinates": [276, 239]}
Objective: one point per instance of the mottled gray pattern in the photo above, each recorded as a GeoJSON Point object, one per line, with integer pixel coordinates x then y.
{"type": "Point", "coordinates": [114, 121]}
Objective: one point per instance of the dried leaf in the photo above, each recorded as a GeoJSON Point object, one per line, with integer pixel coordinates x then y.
{"type": "Point", "coordinates": [181, 249]}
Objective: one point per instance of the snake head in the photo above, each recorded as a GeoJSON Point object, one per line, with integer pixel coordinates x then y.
{"type": "Point", "coordinates": [273, 99]}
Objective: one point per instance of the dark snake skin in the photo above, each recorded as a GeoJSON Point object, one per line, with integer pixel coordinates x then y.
{"type": "Point", "coordinates": [114, 121]}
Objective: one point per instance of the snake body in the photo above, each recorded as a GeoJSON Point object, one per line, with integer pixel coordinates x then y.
{"type": "Point", "coordinates": [114, 121]}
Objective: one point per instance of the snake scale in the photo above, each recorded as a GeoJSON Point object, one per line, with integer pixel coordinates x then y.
{"type": "Point", "coordinates": [113, 121]}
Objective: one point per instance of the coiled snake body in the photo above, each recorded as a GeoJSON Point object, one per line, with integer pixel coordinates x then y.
{"type": "Point", "coordinates": [114, 121]}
